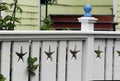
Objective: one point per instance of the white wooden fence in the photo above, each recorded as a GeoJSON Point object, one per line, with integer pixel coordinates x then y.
{"type": "Point", "coordinates": [62, 55]}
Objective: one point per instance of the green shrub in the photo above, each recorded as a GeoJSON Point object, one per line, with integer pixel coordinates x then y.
{"type": "Point", "coordinates": [2, 78]}
{"type": "Point", "coordinates": [47, 25]}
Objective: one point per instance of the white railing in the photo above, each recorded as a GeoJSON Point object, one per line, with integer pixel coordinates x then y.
{"type": "Point", "coordinates": [62, 55]}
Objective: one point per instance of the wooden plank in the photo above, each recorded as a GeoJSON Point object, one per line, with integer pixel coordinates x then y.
{"type": "Point", "coordinates": [20, 64]}
{"type": "Point", "coordinates": [35, 52]}
{"type": "Point", "coordinates": [109, 59]}
{"type": "Point", "coordinates": [5, 59]}
{"type": "Point", "coordinates": [98, 66]}
{"type": "Point", "coordinates": [48, 61]}
{"type": "Point", "coordinates": [116, 75]}
{"type": "Point", "coordinates": [62, 60]}
{"type": "Point", "coordinates": [74, 62]}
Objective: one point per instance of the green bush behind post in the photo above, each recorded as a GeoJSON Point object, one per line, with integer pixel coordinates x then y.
{"type": "Point", "coordinates": [47, 25]}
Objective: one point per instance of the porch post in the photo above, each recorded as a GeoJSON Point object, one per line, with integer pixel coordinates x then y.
{"type": "Point", "coordinates": [39, 14]}
{"type": "Point", "coordinates": [115, 5]}
{"type": "Point", "coordinates": [87, 24]}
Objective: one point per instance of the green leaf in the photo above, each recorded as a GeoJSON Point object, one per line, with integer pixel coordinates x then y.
{"type": "Point", "coordinates": [19, 9]}
{"type": "Point", "coordinates": [31, 66]}
{"type": "Point", "coordinates": [2, 78]}
{"type": "Point", "coordinates": [16, 19]}
{"type": "Point", "coordinates": [10, 26]}
{"type": "Point", "coordinates": [3, 7]}
{"type": "Point", "coordinates": [34, 59]}
{"type": "Point", "coordinates": [14, 0]}
{"type": "Point", "coordinates": [47, 25]}
{"type": "Point", "coordinates": [35, 66]}
{"type": "Point", "coordinates": [32, 72]}
{"type": "Point", "coordinates": [11, 5]}
{"type": "Point", "coordinates": [47, 21]}
{"type": "Point", "coordinates": [8, 18]}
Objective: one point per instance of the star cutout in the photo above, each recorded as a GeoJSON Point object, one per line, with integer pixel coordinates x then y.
{"type": "Point", "coordinates": [21, 54]}
{"type": "Point", "coordinates": [49, 53]}
{"type": "Point", "coordinates": [98, 52]}
{"type": "Point", "coordinates": [74, 52]}
{"type": "Point", "coordinates": [118, 53]}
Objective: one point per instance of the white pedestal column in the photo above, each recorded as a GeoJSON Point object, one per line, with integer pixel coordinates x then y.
{"type": "Point", "coordinates": [87, 23]}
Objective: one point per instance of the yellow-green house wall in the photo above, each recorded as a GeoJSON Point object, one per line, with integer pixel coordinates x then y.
{"type": "Point", "coordinates": [118, 14]}
{"type": "Point", "coordinates": [29, 17]}
{"type": "Point", "coordinates": [76, 7]}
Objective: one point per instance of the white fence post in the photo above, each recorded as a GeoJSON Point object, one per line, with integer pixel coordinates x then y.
{"type": "Point", "coordinates": [87, 24]}
{"type": "Point", "coordinates": [87, 65]}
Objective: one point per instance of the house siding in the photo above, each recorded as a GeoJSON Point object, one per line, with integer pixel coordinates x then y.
{"type": "Point", "coordinates": [29, 17]}
{"type": "Point", "coordinates": [76, 7]}
{"type": "Point", "coordinates": [118, 14]}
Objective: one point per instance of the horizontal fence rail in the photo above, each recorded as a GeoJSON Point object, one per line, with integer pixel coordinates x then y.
{"type": "Point", "coordinates": [61, 55]}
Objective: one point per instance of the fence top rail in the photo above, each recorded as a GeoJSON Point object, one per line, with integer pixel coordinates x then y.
{"type": "Point", "coordinates": [58, 32]}
{"type": "Point", "coordinates": [56, 35]}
